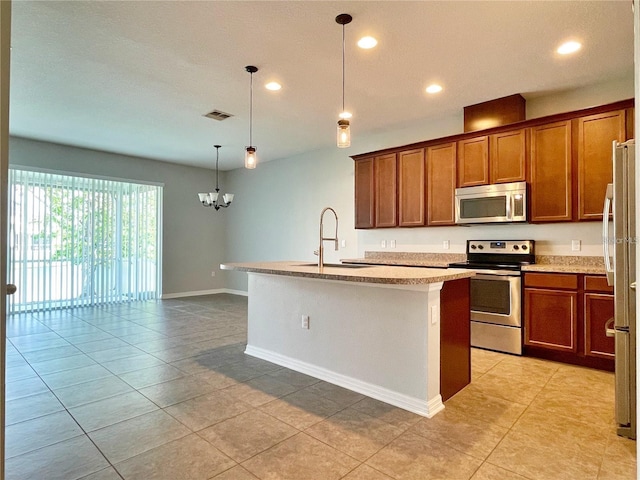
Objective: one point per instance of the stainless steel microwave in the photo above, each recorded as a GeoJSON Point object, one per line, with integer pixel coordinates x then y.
{"type": "Point", "coordinates": [500, 203]}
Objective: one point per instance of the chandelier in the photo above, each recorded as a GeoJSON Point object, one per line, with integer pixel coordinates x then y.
{"type": "Point", "coordinates": [212, 199]}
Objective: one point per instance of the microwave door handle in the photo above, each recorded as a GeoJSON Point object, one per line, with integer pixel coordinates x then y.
{"type": "Point", "coordinates": [608, 267]}
{"type": "Point", "coordinates": [509, 207]}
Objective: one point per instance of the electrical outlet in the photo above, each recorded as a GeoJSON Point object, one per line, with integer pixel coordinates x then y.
{"type": "Point", "coordinates": [305, 322]}
{"type": "Point", "coordinates": [213, 273]}
{"type": "Point", "coordinates": [392, 243]}
{"type": "Point", "coordinates": [343, 243]}
{"type": "Point", "coordinates": [383, 244]}
{"type": "Point", "coordinates": [575, 245]}
{"type": "Point", "coordinates": [445, 244]}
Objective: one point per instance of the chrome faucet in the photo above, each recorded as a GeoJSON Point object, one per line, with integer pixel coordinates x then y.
{"type": "Point", "coordinates": [320, 251]}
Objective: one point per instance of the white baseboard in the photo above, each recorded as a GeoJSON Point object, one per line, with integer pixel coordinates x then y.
{"type": "Point", "coordinates": [216, 291]}
{"type": "Point", "coordinates": [421, 407]}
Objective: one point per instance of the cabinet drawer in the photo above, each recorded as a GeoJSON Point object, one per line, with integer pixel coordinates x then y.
{"type": "Point", "coordinates": [551, 280]}
{"type": "Point", "coordinates": [596, 283]}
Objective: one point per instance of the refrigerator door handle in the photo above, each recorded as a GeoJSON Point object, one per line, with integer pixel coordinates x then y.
{"type": "Point", "coordinates": [609, 331]}
{"type": "Point", "coordinates": [608, 267]}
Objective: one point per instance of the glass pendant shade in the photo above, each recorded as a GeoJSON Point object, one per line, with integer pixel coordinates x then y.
{"type": "Point", "coordinates": [204, 197]}
{"type": "Point", "coordinates": [227, 198]}
{"type": "Point", "coordinates": [213, 196]}
{"type": "Point", "coordinates": [344, 134]}
{"type": "Point", "coordinates": [250, 158]}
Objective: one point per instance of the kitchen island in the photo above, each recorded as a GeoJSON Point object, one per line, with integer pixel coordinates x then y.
{"type": "Point", "coordinates": [397, 334]}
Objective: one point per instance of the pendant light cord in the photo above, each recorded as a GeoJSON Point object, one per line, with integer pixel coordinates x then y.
{"type": "Point", "coordinates": [342, 68]}
{"type": "Point", "coordinates": [217, 152]}
{"type": "Point", "coordinates": [251, 114]}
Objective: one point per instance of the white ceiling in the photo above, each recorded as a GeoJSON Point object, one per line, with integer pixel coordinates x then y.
{"type": "Point", "coordinates": [137, 77]}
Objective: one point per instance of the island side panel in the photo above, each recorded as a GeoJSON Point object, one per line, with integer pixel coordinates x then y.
{"type": "Point", "coordinates": [378, 340]}
{"type": "Point", "coordinates": [455, 337]}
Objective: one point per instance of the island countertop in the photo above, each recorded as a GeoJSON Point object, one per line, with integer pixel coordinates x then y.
{"type": "Point", "coordinates": [389, 275]}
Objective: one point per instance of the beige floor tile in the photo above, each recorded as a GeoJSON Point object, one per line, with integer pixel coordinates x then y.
{"type": "Point", "coordinates": [176, 391]}
{"type": "Point", "coordinates": [19, 372]}
{"type": "Point", "coordinates": [301, 409]}
{"type": "Point", "coordinates": [579, 405]}
{"type": "Point", "coordinates": [151, 376]}
{"type": "Point", "coordinates": [514, 390]}
{"type": "Point", "coordinates": [620, 449]}
{"type": "Point", "coordinates": [520, 453]}
{"type": "Point", "coordinates": [413, 457]}
{"type": "Point", "coordinates": [260, 390]}
{"type": "Point", "coordinates": [354, 433]}
{"type": "Point", "coordinates": [300, 457]}
{"type": "Point", "coordinates": [32, 434]}
{"type": "Point", "coordinates": [243, 372]}
{"type": "Point", "coordinates": [51, 353]}
{"type": "Point", "coordinates": [108, 411]}
{"type": "Point", "coordinates": [475, 403]}
{"type": "Point", "coordinates": [189, 457]}
{"type": "Point", "coordinates": [551, 430]}
{"type": "Point", "coordinates": [294, 378]}
{"type": "Point", "coordinates": [33, 406]}
{"type": "Point", "coordinates": [93, 391]}
{"type": "Point", "coordinates": [491, 472]}
{"type": "Point", "coordinates": [73, 458]}
{"type": "Point", "coordinates": [365, 472]}
{"type": "Point", "coordinates": [340, 395]}
{"type": "Point", "coordinates": [484, 360]}
{"type": "Point", "coordinates": [106, 474]}
{"type": "Point", "coordinates": [611, 470]}
{"type": "Point", "coordinates": [216, 379]}
{"type": "Point", "coordinates": [237, 436]}
{"type": "Point", "coordinates": [517, 370]}
{"type": "Point", "coordinates": [75, 376]}
{"type": "Point", "coordinates": [123, 440]}
{"type": "Point", "coordinates": [130, 364]}
{"type": "Point", "coordinates": [24, 388]}
{"type": "Point", "coordinates": [387, 413]}
{"type": "Point", "coordinates": [61, 364]}
{"type": "Point", "coordinates": [235, 473]}
{"type": "Point", "coordinates": [465, 433]}
{"type": "Point", "coordinates": [206, 410]}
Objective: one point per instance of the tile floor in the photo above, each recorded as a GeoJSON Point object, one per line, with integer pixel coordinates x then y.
{"type": "Point", "coordinates": [163, 390]}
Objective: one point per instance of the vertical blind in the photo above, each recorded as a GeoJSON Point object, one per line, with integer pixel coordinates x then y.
{"type": "Point", "coordinates": [77, 241]}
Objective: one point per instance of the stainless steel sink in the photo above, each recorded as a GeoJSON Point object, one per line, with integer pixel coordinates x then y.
{"type": "Point", "coordinates": [334, 265]}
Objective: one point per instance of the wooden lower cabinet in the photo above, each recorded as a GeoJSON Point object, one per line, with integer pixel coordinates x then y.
{"type": "Point", "coordinates": [565, 316]}
{"type": "Point", "coordinates": [551, 318]}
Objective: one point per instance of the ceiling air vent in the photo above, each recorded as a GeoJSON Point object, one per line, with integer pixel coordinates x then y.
{"type": "Point", "coordinates": [218, 115]}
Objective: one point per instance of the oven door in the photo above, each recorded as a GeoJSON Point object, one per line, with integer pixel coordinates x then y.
{"type": "Point", "coordinates": [495, 298]}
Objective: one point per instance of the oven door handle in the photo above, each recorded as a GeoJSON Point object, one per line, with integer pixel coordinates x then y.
{"type": "Point", "coordinates": [492, 274]}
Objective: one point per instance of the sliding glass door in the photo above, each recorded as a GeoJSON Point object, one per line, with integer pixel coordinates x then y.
{"type": "Point", "coordinates": [82, 241]}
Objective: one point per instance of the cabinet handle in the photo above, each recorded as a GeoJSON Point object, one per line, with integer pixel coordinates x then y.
{"type": "Point", "coordinates": [608, 331]}
{"type": "Point", "coordinates": [633, 286]}
{"type": "Point", "coordinates": [11, 289]}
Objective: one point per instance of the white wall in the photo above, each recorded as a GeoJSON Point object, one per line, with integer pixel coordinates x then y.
{"type": "Point", "coordinates": [276, 215]}
{"type": "Point", "coordinates": [193, 236]}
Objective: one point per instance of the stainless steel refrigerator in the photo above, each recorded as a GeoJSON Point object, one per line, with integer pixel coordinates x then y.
{"type": "Point", "coordinates": [620, 263]}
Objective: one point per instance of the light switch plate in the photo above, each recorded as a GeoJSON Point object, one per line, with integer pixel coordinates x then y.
{"type": "Point", "coordinates": [575, 245]}
{"type": "Point", "coordinates": [383, 244]}
{"type": "Point", "coordinates": [392, 243]}
{"type": "Point", "coordinates": [445, 244]}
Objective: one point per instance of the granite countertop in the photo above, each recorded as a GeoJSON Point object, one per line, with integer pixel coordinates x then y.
{"type": "Point", "coordinates": [408, 259]}
{"type": "Point", "coordinates": [392, 275]}
{"type": "Point", "coordinates": [567, 264]}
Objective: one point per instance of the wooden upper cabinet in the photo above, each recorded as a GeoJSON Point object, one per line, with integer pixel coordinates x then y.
{"type": "Point", "coordinates": [473, 161]}
{"type": "Point", "coordinates": [411, 184]}
{"type": "Point", "coordinates": [508, 157]}
{"type": "Point", "coordinates": [364, 193]}
{"type": "Point", "coordinates": [385, 198]}
{"type": "Point", "coordinates": [596, 134]}
{"type": "Point", "coordinates": [441, 184]}
{"type": "Point", "coordinates": [551, 172]}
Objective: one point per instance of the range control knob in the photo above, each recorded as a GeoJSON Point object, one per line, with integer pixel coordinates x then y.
{"type": "Point", "coordinates": [480, 247]}
{"type": "Point", "coordinates": [473, 247]}
{"type": "Point", "coordinates": [524, 247]}
{"type": "Point", "coordinates": [516, 247]}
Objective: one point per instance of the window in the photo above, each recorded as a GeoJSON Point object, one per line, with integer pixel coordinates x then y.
{"type": "Point", "coordinates": [77, 241]}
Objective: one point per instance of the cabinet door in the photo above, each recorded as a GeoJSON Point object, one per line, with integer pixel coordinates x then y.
{"type": "Point", "coordinates": [385, 192]}
{"type": "Point", "coordinates": [551, 173]}
{"type": "Point", "coordinates": [550, 319]}
{"type": "Point", "coordinates": [441, 184]}
{"type": "Point", "coordinates": [598, 309]}
{"type": "Point", "coordinates": [508, 157]}
{"type": "Point", "coordinates": [595, 169]}
{"type": "Point", "coordinates": [411, 188]}
{"type": "Point", "coordinates": [473, 161]}
{"type": "Point", "coordinates": [364, 187]}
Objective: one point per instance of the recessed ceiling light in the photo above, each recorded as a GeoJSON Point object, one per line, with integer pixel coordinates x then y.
{"type": "Point", "coordinates": [434, 88]}
{"type": "Point", "coordinates": [569, 47]}
{"type": "Point", "coordinates": [273, 86]}
{"type": "Point", "coordinates": [367, 42]}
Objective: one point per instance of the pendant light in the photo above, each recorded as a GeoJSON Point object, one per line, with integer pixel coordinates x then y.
{"type": "Point", "coordinates": [211, 199]}
{"type": "Point", "coordinates": [250, 158]}
{"type": "Point", "coordinates": [344, 131]}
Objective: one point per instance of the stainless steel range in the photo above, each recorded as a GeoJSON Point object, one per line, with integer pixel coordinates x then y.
{"type": "Point", "coordinates": [496, 315]}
